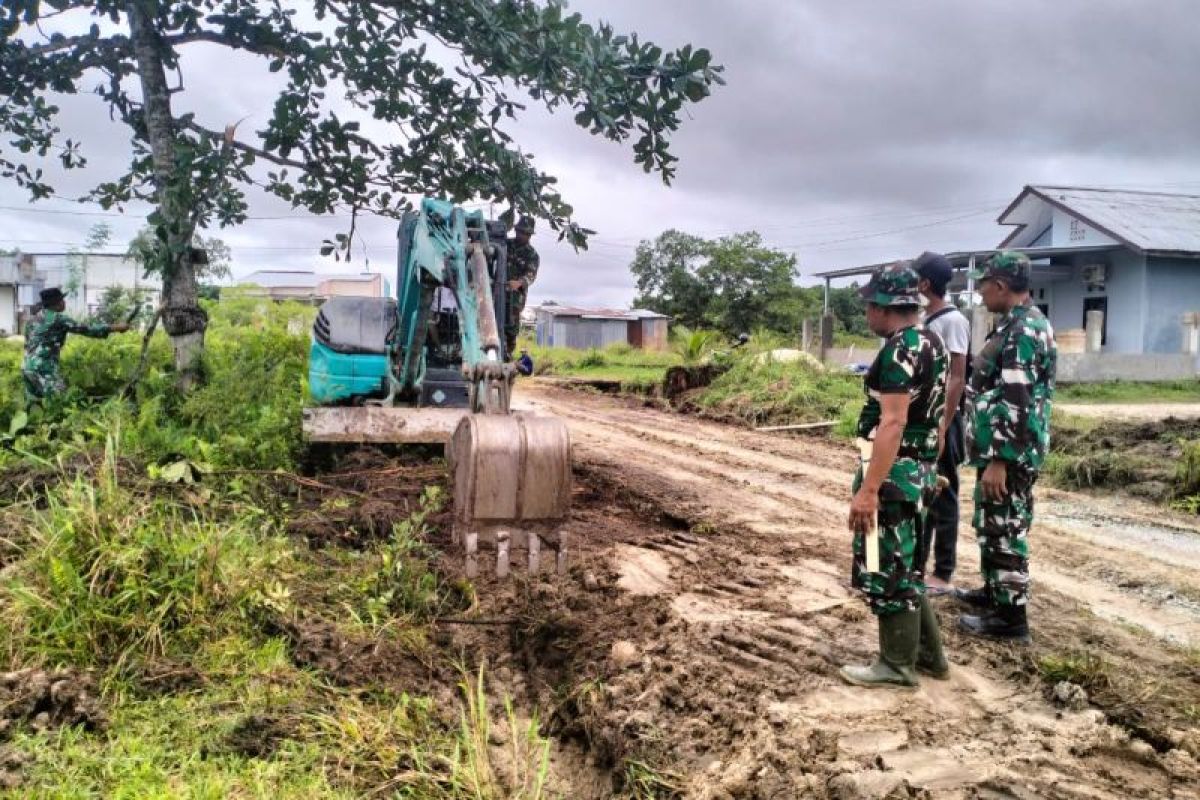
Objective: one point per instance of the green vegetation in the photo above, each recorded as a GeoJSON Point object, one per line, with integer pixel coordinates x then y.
{"type": "Point", "coordinates": [246, 415]}
{"type": "Point", "coordinates": [149, 543]}
{"type": "Point", "coordinates": [759, 390]}
{"type": "Point", "coordinates": [1186, 391]}
{"type": "Point", "coordinates": [1081, 668]}
{"type": "Point", "coordinates": [638, 371]}
{"type": "Point", "coordinates": [735, 285]}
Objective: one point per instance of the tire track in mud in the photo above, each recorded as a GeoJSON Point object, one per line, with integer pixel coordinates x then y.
{"type": "Point", "coordinates": [765, 604]}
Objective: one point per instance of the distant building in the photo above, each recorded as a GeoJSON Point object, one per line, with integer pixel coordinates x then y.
{"type": "Point", "coordinates": [583, 328]}
{"type": "Point", "coordinates": [1133, 255]}
{"type": "Point", "coordinates": [83, 276]}
{"type": "Point", "coordinates": [308, 286]}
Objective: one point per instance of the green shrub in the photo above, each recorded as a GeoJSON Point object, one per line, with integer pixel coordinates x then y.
{"type": "Point", "coordinates": [245, 416]}
{"type": "Point", "coordinates": [592, 358]}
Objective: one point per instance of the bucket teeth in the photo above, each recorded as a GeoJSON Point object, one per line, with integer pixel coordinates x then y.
{"type": "Point", "coordinates": [507, 539]}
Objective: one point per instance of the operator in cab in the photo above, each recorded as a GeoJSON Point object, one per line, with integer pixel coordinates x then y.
{"type": "Point", "coordinates": [523, 264]}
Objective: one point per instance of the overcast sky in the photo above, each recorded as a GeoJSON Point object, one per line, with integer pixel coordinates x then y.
{"type": "Point", "coordinates": [849, 132]}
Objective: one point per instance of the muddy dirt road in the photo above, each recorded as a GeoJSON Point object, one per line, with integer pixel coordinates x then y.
{"type": "Point", "coordinates": [738, 676]}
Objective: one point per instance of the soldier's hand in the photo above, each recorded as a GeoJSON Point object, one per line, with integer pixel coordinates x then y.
{"type": "Point", "coordinates": [863, 510]}
{"type": "Point", "coordinates": [514, 286]}
{"type": "Point", "coordinates": [995, 481]}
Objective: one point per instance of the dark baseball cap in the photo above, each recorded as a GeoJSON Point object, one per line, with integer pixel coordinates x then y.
{"type": "Point", "coordinates": [934, 267]}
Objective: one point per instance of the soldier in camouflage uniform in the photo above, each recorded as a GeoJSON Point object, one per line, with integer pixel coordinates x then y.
{"type": "Point", "coordinates": [898, 438]}
{"type": "Point", "coordinates": [1012, 383]}
{"type": "Point", "coordinates": [44, 337]}
{"type": "Point", "coordinates": [523, 262]}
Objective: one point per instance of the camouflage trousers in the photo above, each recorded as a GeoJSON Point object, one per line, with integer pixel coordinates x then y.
{"type": "Point", "coordinates": [1002, 530]}
{"type": "Point", "coordinates": [899, 584]}
{"type": "Point", "coordinates": [514, 303]}
{"type": "Point", "coordinates": [42, 382]}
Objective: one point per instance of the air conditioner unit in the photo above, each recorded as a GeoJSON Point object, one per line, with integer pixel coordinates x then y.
{"type": "Point", "coordinates": [1094, 275]}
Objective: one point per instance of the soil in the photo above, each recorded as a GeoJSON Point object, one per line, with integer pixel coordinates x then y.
{"type": "Point", "coordinates": [1136, 457]}
{"type": "Point", "coordinates": [347, 660]}
{"type": "Point", "coordinates": [47, 699]}
{"type": "Point", "coordinates": [361, 496]}
{"type": "Point", "coordinates": [710, 648]}
{"type": "Point", "coordinates": [691, 649]}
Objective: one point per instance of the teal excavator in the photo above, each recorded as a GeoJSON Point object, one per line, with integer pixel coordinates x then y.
{"type": "Point", "coordinates": [428, 366]}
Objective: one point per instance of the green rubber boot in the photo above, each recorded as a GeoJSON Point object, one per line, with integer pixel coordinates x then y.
{"type": "Point", "coordinates": [899, 635]}
{"type": "Point", "coordinates": [931, 660]}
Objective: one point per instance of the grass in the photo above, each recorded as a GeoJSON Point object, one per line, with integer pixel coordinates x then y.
{"type": "Point", "coordinates": [761, 391]}
{"type": "Point", "coordinates": [1182, 391]}
{"type": "Point", "coordinates": [1083, 669]}
{"type": "Point", "coordinates": [109, 567]}
{"type": "Point", "coordinates": [633, 368]}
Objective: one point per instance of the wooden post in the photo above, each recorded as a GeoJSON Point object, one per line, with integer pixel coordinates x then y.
{"type": "Point", "coordinates": [806, 331]}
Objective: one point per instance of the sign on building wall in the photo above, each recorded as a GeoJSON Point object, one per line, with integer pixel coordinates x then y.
{"type": "Point", "coordinates": [1070, 231]}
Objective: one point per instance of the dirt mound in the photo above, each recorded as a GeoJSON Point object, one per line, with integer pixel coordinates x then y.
{"type": "Point", "coordinates": [45, 699]}
{"type": "Point", "coordinates": [1140, 458]}
{"type": "Point", "coordinates": [368, 492]}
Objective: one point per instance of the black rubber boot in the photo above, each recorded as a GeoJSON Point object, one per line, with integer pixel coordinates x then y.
{"type": "Point", "coordinates": [1003, 622]}
{"type": "Point", "coordinates": [899, 635]}
{"type": "Point", "coordinates": [931, 660]}
{"type": "Point", "coordinates": [980, 598]}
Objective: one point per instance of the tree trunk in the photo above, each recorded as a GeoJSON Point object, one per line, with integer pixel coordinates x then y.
{"type": "Point", "coordinates": [183, 319]}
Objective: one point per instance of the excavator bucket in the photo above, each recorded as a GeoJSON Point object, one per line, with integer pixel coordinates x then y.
{"type": "Point", "coordinates": [512, 487]}
{"type": "Point", "coordinates": [381, 425]}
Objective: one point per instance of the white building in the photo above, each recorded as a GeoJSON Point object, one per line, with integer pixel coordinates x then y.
{"type": "Point", "coordinates": [84, 277]}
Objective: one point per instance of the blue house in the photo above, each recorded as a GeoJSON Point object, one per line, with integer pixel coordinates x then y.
{"type": "Point", "coordinates": [1133, 255]}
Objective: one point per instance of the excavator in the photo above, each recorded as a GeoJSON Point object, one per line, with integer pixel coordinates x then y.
{"type": "Point", "coordinates": [428, 367]}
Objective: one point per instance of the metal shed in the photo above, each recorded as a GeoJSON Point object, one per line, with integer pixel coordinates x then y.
{"type": "Point", "coordinates": [584, 328]}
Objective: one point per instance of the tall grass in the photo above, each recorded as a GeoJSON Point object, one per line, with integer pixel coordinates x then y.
{"type": "Point", "coordinates": [109, 576]}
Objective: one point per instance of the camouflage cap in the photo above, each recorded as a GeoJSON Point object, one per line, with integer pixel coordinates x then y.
{"type": "Point", "coordinates": [525, 224]}
{"type": "Point", "coordinates": [1006, 264]}
{"type": "Point", "coordinates": [893, 285]}
{"type": "Point", "coordinates": [51, 295]}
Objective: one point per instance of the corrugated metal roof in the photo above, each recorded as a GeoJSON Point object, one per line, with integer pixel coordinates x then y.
{"type": "Point", "coordinates": [1145, 220]}
{"type": "Point", "coordinates": [599, 313]}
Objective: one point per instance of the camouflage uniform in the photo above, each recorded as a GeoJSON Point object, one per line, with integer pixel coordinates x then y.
{"type": "Point", "coordinates": [44, 339]}
{"type": "Point", "coordinates": [1008, 407]}
{"type": "Point", "coordinates": [523, 262]}
{"type": "Point", "coordinates": [913, 360]}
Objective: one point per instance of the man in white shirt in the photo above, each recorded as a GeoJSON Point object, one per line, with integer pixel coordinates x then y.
{"type": "Point", "coordinates": [941, 317]}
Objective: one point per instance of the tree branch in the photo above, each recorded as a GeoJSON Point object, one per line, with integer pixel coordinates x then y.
{"type": "Point", "coordinates": [245, 148]}
{"type": "Point", "coordinates": [225, 40]}
{"type": "Point", "coordinates": [113, 44]}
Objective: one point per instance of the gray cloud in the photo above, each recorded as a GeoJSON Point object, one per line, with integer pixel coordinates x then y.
{"type": "Point", "coordinates": [846, 131]}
